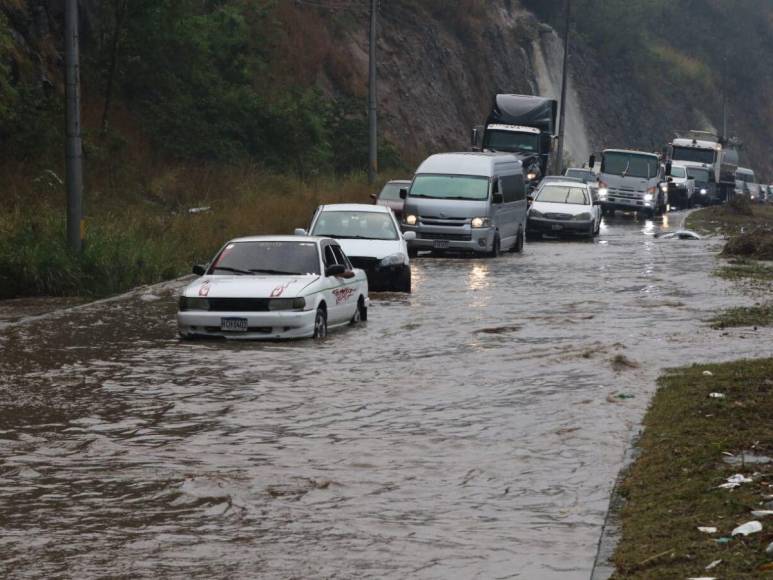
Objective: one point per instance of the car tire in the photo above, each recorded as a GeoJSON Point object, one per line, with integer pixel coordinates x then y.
{"type": "Point", "coordinates": [496, 246]}
{"type": "Point", "coordinates": [518, 245]}
{"type": "Point", "coordinates": [361, 313]}
{"type": "Point", "coordinates": [403, 283]}
{"type": "Point", "coordinates": [320, 324]}
{"type": "Point", "coordinates": [413, 252]}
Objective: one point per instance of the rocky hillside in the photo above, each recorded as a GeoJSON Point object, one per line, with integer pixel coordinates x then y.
{"type": "Point", "coordinates": [440, 62]}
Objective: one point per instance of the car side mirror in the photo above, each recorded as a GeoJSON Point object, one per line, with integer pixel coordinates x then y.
{"type": "Point", "coordinates": [529, 200]}
{"type": "Point", "coordinates": [592, 161]}
{"type": "Point", "coordinates": [199, 269]}
{"type": "Point", "coordinates": [409, 236]}
{"type": "Point", "coordinates": [403, 193]}
{"type": "Point", "coordinates": [497, 198]}
{"type": "Point", "coordinates": [300, 232]}
{"type": "Point", "coordinates": [337, 270]}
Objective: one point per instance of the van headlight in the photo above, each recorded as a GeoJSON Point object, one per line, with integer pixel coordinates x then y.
{"type": "Point", "coordinates": [648, 197]}
{"type": "Point", "coordinates": [479, 222]}
{"type": "Point", "coordinates": [286, 304]}
{"type": "Point", "coordinates": [411, 219]}
{"type": "Point", "coordinates": [392, 260]}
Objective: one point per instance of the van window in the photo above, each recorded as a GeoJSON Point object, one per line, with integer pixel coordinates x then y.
{"type": "Point", "coordinates": [512, 188]}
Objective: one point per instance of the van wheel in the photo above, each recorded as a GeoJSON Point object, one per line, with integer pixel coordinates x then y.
{"type": "Point", "coordinates": [320, 324]}
{"type": "Point", "coordinates": [495, 247]}
{"type": "Point", "coordinates": [518, 246]}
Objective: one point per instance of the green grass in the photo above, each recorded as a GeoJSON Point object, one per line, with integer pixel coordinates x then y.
{"type": "Point", "coordinates": [672, 488]}
{"type": "Point", "coordinates": [761, 315]}
{"type": "Point", "coordinates": [731, 219]}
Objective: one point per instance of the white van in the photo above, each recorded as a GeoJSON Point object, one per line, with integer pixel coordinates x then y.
{"type": "Point", "coordinates": [469, 202]}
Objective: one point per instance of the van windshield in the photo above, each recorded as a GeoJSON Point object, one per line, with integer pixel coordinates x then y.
{"type": "Point", "coordinates": [465, 187]}
{"type": "Point", "coordinates": [693, 154]}
{"type": "Point", "coordinates": [630, 164]}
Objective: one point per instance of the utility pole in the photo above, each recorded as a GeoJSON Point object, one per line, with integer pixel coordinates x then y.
{"type": "Point", "coordinates": [562, 113]}
{"type": "Point", "coordinates": [74, 151]}
{"type": "Point", "coordinates": [372, 98]}
{"type": "Point", "coordinates": [724, 97]}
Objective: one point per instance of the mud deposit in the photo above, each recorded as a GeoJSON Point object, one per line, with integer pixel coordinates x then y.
{"type": "Point", "coordinates": [471, 430]}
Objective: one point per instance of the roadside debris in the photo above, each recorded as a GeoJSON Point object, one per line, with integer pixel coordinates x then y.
{"type": "Point", "coordinates": [708, 374]}
{"type": "Point", "coordinates": [762, 513]}
{"type": "Point", "coordinates": [203, 209]}
{"type": "Point", "coordinates": [769, 549]}
{"type": "Point", "coordinates": [679, 235]}
{"type": "Point", "coordinates": [747, 529]}
{"type": "Point", "coordinates": [713, 565]}
{"type": "Point", "coordinates": [724, 540]}
{"type": "Point", "coordinates": [707, 530]}
{"type": "Point", "coordinates": [735, 481]}
{"type": "Point", "coordinates": [620, 362]}
{"type": "Point", "coordinates": [717, 395]}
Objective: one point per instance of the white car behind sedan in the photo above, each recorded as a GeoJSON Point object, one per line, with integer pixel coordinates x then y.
{"type": "Point", "coordinates": [276, 287]}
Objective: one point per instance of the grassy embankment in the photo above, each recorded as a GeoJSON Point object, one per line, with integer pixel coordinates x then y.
{"type": "Point", "coordinates": [689, 436]}
{"type": "Point", "coordinates": [749, 251]}
{"type": "Point", "coordinates": [143, 233]}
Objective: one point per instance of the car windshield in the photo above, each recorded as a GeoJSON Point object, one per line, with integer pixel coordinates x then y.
{"type": "Point", "coordinates": [678, 172]}
{"type": "Point", "coordinates": [694, 155]}
{"type": "Point", "coordinates": [391, 191]}
{"type": "Point", "coordinates": [563, 194]}
{"type": "Point", "coordinates": [511, 141]}
{"type": "Point", "coordinates": [697, 174]}
{"type": "Point", "coordinates": [586, 176]}
{"type": "Point", "coordinates": [450, 187]}
{"type": "Point", "coordinates": [267, 257]}
{"type": "Point", "coordinates": [355, 225]}
{"type": "Point", "coordinates": [630, 164]}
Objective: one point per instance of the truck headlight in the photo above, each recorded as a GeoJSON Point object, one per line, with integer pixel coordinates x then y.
{"type": "Point", "coordinates": [704, 191]}
{"type": "Point", "coordinates": [648, 197]}
{"type": "Point", "coordinates": [663, 187]}
{"type": "Point", "coordinates": [411, 220]}
{"type": "Point", "coordinates": [531, 176]}
{"type": "Point", "coordinates": [286, 303]}
{"type": "Point", "coordinates": [603, 191]}
{"type": "Point", "coordinates": [193, 303]}
{"type": "Point", "coordinates": [392, 260]}
{"type": "Point", "coordinates": [479, 222]}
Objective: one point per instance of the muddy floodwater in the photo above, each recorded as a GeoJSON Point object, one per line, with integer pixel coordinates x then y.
{"type": "Point", "coordinates": [470, 430]}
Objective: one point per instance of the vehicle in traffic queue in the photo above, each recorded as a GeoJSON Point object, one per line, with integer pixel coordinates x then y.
{"type": "Point", "coordinates": [679, 186]}
{"type": "Point", "coordinates": [706, 192]}
{"type": "Point", "coordinates": [587, 175]}
{"type": "Point", "coordinates": [747, 181]}
{"type": "Point", "coordinates": [273, 287]}
{"type": "Point", "coordinates": [631, 181]}
{"type": "Point", "coordinates": [564, 208]}
{"type": "Point", "coordinates": [708, 150]}
{"type": "Point", "coordinates": [371, 238]}
{"type": "Point", "coordinates": [389, 196]}
{"type": "Point", "coordinates": [467, 202]}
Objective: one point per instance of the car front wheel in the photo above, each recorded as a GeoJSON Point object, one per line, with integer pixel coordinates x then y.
{"type": "Point", "coordinates": [320, 324]}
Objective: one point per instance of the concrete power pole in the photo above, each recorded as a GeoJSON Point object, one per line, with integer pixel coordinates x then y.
{"type": "Point", "coordinates": [74, 144]}
{"type": "Point", "coordinates": [562, 115]}
{"type": "Point", "coordinates": [372, 98]}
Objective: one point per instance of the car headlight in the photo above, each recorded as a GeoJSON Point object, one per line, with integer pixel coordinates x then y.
{"type": "Point", "coordinates": [704, 191]}
{"type": "Point", "coordinates": [648, 197]}
{"type": "Point", "coordinates": [603, 191]}
{"type": "Point", "coordinates": [479, 222]}
{"type": "Point", "coordinates": [535, 213]}
{"type": "Point", "coordinates": [393, 260]}
{"type": "Point", "coordinates": [581, 217]}
{"type": "Point", "coordinates": [531, 176]}
{"type": "Point", "coordinates": [286, 303]}
{"type": "Point", "coordinates": [411, 220]}
{"type": "Point", "coordinates": [664, 187]}
{"type": "Point", "coordinates": [187, 303]}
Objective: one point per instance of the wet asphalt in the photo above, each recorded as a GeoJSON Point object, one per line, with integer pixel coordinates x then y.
{"type": "Point", "coordinates": [473, 429]}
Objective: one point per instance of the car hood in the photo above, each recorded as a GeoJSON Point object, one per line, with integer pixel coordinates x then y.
{"type": "Point", "coordinates": [249, 286]}
{"type": "Point", "coordinates": [370, 248]}
{"type": "Point", "coordinates": [565, 208]}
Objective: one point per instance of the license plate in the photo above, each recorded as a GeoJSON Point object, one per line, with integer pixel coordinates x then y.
{"type": "Point", "coordinates": [556, 227]}
{"type": "Point", "coordinates": [440, 244]}
{"type": "Point", "coordinates": [233, 324]}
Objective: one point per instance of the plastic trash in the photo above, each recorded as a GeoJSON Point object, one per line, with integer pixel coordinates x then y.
{"type": "Point", "coordinates": [762, 513]}
{"type": "Point", "coordinates": [769, 549]}
{"type": "Point", "coordinates": [724, 540]}
{"type": "Point", "coordinates": [717, 395]}
{"type": "Point", "coordinates": [747, 528]}
{"type": "Point", "coordinates": [707, 530]}
{"type": "Point", "coordinates": [702, 578]}
{"type": "Point", "coordinates": [203, 209]}
{"type": "Point", "coordinates": [713, 565]}
{"type": "Point", "coordinates": [708, 374]}
{"type": "Point", "coordinates": [679, 235]}
{"type": "Point", "coordinates": [735, 481]}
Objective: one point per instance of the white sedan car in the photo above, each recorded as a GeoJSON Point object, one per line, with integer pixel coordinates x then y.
{"type": "Point", "coordinates": [564, 207]}
{"type": "Point", "coordinates": [371, 238]}
{"type": "Point", "coordinates": [274, 287]}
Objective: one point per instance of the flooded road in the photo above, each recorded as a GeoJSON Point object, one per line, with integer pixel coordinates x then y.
{"type": "Point", "coordinates": [471, 430]}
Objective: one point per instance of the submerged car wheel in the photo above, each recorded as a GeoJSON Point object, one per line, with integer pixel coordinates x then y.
{"type": "Point", "coordinates": [361, 313]}
{"type": "Point", "coordinates": [320, 324]}
{"type": "Point", "coordinates": [518, 245]}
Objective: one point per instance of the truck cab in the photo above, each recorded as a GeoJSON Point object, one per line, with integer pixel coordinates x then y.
{"type": "Point", "coordinates": [631, 181]}
{"type": "Point", "coordinates": [701, 149]}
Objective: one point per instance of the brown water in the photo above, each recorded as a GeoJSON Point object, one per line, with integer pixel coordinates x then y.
{"type": "Point", "coordinates": [470, 430]}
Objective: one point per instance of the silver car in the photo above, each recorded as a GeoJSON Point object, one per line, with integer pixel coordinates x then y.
{"type": "Point", "coordinates": [564, 208]}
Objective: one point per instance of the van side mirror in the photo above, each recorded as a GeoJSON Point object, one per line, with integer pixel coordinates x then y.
{"type": "Point", "coordinates": [199, 269]}
{"type": "Point", "coordinates": [403, 193]}
{"type": "Point", "coordinates": [497, 198]}
{"type": "Point", "coordinates": [335, 270]}
{"type": "Point", "coordinates": [592, 161]}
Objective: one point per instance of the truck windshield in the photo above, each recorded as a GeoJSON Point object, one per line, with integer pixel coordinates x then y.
{"type": "Point", "coordinates": [701, 175]}
{"type": "Point", "coordinates": [630, 164]}
{"type": "Point", "coordinates": [694, 155]}
{"type": "Point", "coordinates": [511, 141]}
{"type": "Point", "coordinates": [450, 187]}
